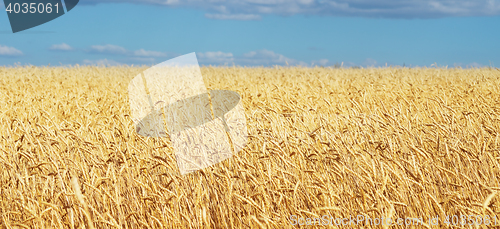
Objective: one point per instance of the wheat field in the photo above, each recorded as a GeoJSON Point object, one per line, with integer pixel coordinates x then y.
{"type": "Point", "coordinates": [389, 142]}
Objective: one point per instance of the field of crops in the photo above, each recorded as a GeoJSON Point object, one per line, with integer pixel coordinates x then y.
{"type": "Point", "coordinates": [392, 143]}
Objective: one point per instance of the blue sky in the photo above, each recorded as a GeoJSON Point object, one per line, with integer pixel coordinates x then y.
{"type": "Point", "coordinates": [258, 32]}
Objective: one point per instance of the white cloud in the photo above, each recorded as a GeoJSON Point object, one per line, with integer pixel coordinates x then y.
{"type": "Point", "coordinates": [101, 62]}
{"type": "Point", "coordinates": [146, 53]}
{"type": "Point", "coordinates": [118, 50]}
{"type": "Point", "coordinates": [170, 2]}
{"type": "Point", "coordinates": [108, 49]}
{"type": "Point", "coordinates": [61, 47]}
{"type": "Point", "coordinates": [322, 62]}
{"type": "Point", "coordinates": [253, 9]}
{"type": "Point", "coordinates": [216, 57]}
{"type": "Point", "coordinates": [9, 51]}
{"type": "Point", "coordinates": [240, 17]}
{"type": "Point", "coordinates": [254, 58]}
{"type": "Point", "coordinates": [266, 57]}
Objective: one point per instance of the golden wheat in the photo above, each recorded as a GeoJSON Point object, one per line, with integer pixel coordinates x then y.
{"type": "Point", "coordinates": [393, 142]}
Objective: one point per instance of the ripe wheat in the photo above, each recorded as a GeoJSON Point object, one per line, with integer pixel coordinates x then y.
{"type": "Point", "coordinates": [393, 142]}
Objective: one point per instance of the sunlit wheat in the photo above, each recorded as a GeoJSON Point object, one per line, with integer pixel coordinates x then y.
{"type": "Point", "coordinates": [393, 142]}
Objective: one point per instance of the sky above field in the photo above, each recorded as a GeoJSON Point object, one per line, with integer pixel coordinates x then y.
{"type": "Point", "coordinates": [365, 33]}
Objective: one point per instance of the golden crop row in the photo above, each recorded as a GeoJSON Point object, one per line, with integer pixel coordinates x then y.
{"type": "Point", "coordinates": [392, 142]}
